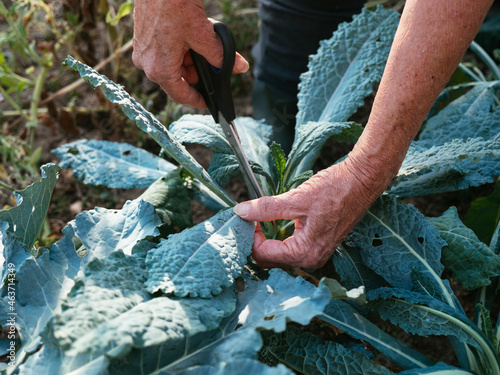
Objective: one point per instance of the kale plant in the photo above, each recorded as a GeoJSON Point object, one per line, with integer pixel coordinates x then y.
{"type": "Point", "coordinates": [126, 292]}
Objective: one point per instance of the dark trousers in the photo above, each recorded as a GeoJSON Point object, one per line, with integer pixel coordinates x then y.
{"type": "Point", "coordinates": [290, 31]}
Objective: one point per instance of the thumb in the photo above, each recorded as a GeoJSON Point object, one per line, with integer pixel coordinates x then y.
{"type": "Point", "coordinates": [268, 209]}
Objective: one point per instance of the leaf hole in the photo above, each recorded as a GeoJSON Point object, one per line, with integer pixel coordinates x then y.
{"type": "Point", "coordinates": [421, 240]}
{"type": "Point", "coordinates": [377, 241]}
{"type": "Point", "coordinates": [125, 153]}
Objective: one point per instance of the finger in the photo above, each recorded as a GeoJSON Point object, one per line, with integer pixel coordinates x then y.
{"type": "Point", "coordinates": [241, 65]}
{"type": "Point", "coordinates": [274, 253]}
{"type": "Point", "coordinates": [180, 91]}
{"type": "Point", "coordinates": [190, 75]}
{"type": "Point", "coordinates": [284, 206]}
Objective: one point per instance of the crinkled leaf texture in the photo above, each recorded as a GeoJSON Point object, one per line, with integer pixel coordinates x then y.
{"type": "Point", "coordinates": [170, 198]}
{"type": "Point", "coordinates": [307, 354]}
{"type": "Point", "coordinates": [455, 165]}
{"type": "Point", "coordinates": [473, 115]}
{"type": "Point", "coordinates": [148, 123]}
{"type": "Point", "coordinates": [41, 285]}
{"type": "Point", "coordinates": [112, 164]}
{"type": "Point", "coordinates": [472, 263]}
{"type": "Point", "coordinates": [201, 260]}
{"type": "Point", "coordinates": [343, 71]}
{"type": "Point", "coordinates": [109, 313]}
{"type": "Point", "coordinates": [103, 231]}
{"type": "Point", "coordinates": [132, 319]}
{"type": "Point", "coordinates": [268, 304]}
{"type": "Point", "coordinates": [44, 282]}
{"type": "Point", "coordinates": [423, 315]}
{"type": "Point", "coordinates": [394, 238]}
{"type": "Point", "coordinates": [26, 219]}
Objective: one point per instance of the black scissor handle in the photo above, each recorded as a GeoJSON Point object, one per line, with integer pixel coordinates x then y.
{"type": "Point", "coordinates": [215, 84]}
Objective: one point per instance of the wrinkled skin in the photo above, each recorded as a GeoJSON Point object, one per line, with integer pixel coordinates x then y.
{"type": "Point", "coordinates": [430, 41]}
{"type": "Point", "coordinates": [325, 208]}
{"type": "Point", "coordinates": [164, 31]}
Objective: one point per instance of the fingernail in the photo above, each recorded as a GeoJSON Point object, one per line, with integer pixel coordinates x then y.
{"type": "Point", "coordinates": [242, 65]}
{"type": "Point", "coordinates": [242, 209]}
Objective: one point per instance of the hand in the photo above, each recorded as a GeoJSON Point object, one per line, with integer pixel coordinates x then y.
{"type": "Point", "coordinates": [164, 31]}
{"type": "Point", "coordinates": [325, 208]}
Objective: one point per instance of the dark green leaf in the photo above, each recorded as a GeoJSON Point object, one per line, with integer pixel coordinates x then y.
{"type": "Point", "coordinates": [472, 262]}
{"type": "Point", "coordinates": [26, 219]}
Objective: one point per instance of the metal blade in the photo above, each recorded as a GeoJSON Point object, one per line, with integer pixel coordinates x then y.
{"type": "Point", "coordinates": [234, 140]}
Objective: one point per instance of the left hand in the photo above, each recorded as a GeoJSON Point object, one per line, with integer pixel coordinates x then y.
{"type": "Point", "coordinates": [325, 208]}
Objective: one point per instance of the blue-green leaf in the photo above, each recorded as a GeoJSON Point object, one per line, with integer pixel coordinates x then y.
{"type": "Point", "coordinates": [419, 314]}
{"type": "Point", "coordinates": [201, 130]}
{"type": "Point", "coordinates": [309, 140]}
{"type": "Point", "coordinates": [12, 252]}
{"type": "Point", "coordinates": [438, 369]}
{"type": "Point", "coordinates": [472, 115]}
{"type": "Point", "coordinates": [353, 271]}
{"type": "Point", "coordinates": [201, 260]}
{"type": "Point", "coordinates": [223, 168]}
{"type": "Point", "coordinates": [103, 231]}
{"type": "Point", "coordinates": [170, 198]}
{"type": "Point", "coordinates": [272, 303]}
{"type": "Point", "coordinates": [394, 238]}
{"type": "Point", "coordinates": [255, 136]}
{"type": "Point", "coordinates": [344, 317]}
{"type": "Point", "coordinates": [456, 165]}
{"type": "Point", "coordinates": [148, 123]}
{"type": "Point", "coordinates": [346, 66]}
{"type": "Point", "coordinates": [109, 314]}
{"type": "Point", "coordinates": [112, 164]}
{"type": "Point", "coordinates": [268, 304]}
{"type": "Point", "coordinates": [236, 366]}
{"type": "Point", "coordinates": [109, 288]}
{"type": "Point", "coordinates": [307, 354]}
{"type": "Point", "coordinates": [26, 219]}
{"type": "Point", "coordinates": [42, 284]}
{"type": "Point", "coordinates": [471, 262]}
{"type": "Point", "coordinates": [156, 321]}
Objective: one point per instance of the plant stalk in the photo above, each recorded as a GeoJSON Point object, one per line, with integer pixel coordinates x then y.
{"type": "Point", "coordinates": [491, 357]}
{"type": "Point", "coordinates": [37, 92]}
{"type": "Point", "coordinates": [481, 53]}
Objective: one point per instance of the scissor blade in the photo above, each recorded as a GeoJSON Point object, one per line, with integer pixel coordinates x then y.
{"type": "Point", "coordinates": [234, 140]}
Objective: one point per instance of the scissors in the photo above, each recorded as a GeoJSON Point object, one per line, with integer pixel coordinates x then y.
{"type": "Point", "coordinates": [215, 86]}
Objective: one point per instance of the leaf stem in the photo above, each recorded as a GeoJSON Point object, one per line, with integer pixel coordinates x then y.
{"type": "Point", "coordinates": [488, 351]}
{"type": "Point", "coordinates": [483, 55]}
{"type": "Point", "coordinates": [37, 92]}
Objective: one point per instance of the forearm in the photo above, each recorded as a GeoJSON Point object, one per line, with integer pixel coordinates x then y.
{"type": "Point", "coordinates": [430, 41]}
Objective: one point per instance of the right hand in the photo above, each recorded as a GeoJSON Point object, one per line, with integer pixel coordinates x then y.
{"type": "Point", "coordinates": [164, 31]}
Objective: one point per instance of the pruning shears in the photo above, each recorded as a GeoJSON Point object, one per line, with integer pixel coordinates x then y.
{"type": "Point", "coordinates": [215, 86]}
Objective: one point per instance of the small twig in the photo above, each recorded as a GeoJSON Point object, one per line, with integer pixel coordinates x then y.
{"type": "Point", "coordinates": [77, 83]}
{"type": "Point", "coordinates": [5, 186]}
{"type": "Point", "coordinates": [77, 110]}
